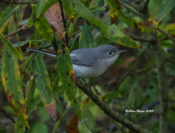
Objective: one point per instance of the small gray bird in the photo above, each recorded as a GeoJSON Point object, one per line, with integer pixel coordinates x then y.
{"type": "Point", "coordinates": [90, 62]}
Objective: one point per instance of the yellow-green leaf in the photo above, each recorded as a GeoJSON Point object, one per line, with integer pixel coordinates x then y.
{"type": "Point", "coordinates": [43, 28]}
{"type": "Point", "coordinates": [12, 83]}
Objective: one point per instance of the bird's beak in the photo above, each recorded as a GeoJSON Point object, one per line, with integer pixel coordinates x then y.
{"type": "Point", "coordinates": [122, 51]}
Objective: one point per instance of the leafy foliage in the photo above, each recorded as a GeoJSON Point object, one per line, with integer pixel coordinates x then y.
{"type": "Point", "coordinates": [39, 88]}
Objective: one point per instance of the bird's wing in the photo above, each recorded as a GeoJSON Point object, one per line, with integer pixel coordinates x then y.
{"type": "Point", "coordinates": [82, 57]}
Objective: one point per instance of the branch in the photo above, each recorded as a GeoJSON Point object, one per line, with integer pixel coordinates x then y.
{"type": "Point", "coordinates": [162, 84]}
{"type": "Point", "coordinates": [165, 34]}
{"type": "Point", "coordinates": [108, 111]}
{"type": "Point", "coordinates": [140, 39]}
{"type": "Point", "coordinates": [64, 23]}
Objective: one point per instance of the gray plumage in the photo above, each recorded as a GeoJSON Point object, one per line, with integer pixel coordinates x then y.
{"type": "Point", "coordinates": [90, 62]}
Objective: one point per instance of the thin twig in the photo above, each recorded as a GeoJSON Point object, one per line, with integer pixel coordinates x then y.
{"type": "Point", "coordinates": [129, 3]}
{"type": "Point", "coordinates": [142, 70]}
{"type": "Point", "coordinates": [73, 34]}
{"type": "Point", "coordinates": [162, 84]}
{"type": "Point", "coordinates": [19, 2]}
{"type": "Point", "coordinates": [140, 39]}
{"type": "Point", "coordinates": [64, 23]}
{"type": "Point", "coordinates": [15, 32]}
{"type": "Point", "coordinates": [165, 34]}
{"type": "Point", "coordinates": [108, 111]}
{"type": "Point", "coordinates": [127, 6]}
{"type": "Point", "coordinates": [7, 115]}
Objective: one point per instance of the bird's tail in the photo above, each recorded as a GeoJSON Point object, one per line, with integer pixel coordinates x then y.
{"type": "Point", "coordinates": [41, 52]}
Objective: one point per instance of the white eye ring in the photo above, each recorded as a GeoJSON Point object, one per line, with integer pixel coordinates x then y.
{"type": "Point", "coordinates": [110, 53]}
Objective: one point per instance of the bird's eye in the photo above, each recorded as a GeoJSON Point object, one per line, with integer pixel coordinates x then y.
{"type": "Point", "coordinates": [110, 53]}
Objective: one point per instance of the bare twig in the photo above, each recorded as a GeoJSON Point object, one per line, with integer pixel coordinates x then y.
{"type": "Point", "coordinates": [73, 34]}
{"type": "Point", "coordinates": [19, 2]}
{"type": "Point", "coordinates": [128, 6]}
{"type": "Point", "coordinates": [64, 23]}
{"type": "Point", "coordinates": [15, 32]}
{"type": "Point", "coordinates": [162, 84]}
{"type": "Point", "coordinates": [108, 111]}
{"type": "Point", "coordinates": [140, 39]}
{"type": "Point", "coordinates": [7, 115]}
{"type": "Point", "coordinates": [165, 34]}
{"type": "Point", "coordinates": [143, 70]}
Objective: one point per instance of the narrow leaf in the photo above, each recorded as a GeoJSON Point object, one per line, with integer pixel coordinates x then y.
{"type": "Point", "coordinates": [162, 9]}
{"type": "Point", "coordinates": [86, 39]}
{"type": "Point", "coordinates": [165, 8]}
{"type": "Point", "coordinates": [113, 32]}
{"type": "Point", "coordinates": [19, 125]}
{"type": "Point", "coordinates": [44, 29]}
{"type": "Point", "coordinates": [40, 7]}
{"type": "Point", "coordinates": [5, 16]}
{"type": "Point", "coordinates": [10, 47]}
{"type": "Point", "coordinates": [44, 87]}
{"type": "Point", "coordinates": [68, 9]}
{"type": "Point", "coordinates": [66, 75]}
{"type": "Point", "coordinates": [12, 83]}
{"type": "Point", "coordinates": [64, 68]}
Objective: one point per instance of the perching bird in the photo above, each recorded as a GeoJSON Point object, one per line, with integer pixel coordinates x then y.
{"type": "Point", "coordinates": [90, 62]}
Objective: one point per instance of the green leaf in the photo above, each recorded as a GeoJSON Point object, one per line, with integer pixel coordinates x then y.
{"type": "Point", "coordinates": [11, 25]}
{"type": "Point", "coordinates": [12, 83]}
{"type": "Point", "coordinates": [68, 9]}
{"type": "Point", "coordinates": [5, 16]}
{"type": "Point", "coordinates": [161, 9]}
{"type": "Point", "coordinates": [133, 101]}
{"type": "Point", "coordinates": [29, 95]}
{"type": "Point", "coordinates": [40, 128]}
{"type": "Point", "coordinates": [43, 82]}
{"type": "Point", "coordinates": [115, 10]}
{"type": "Point", "coordinates": [10, 47]}
{"type": "Point", "coordinates": [171, 114]}
{"type": "Point", "coordinates": [40, 8]}
{"type": "Point", "coordinates": [86, 39]}
{"type": "Point", "coordinates": [43, 28]}
{"type": "Point", "coordinates": [153, 6]}
{"type": "Point", "coordinates": [65, 72]}
{"type": "Point", "coordinates": [44, 87]}
{"type": "Point", "coordinates": [66, 81]}
{"type": "Point", "coordinates": [20, 14]}
{"type": "Point", "coordinates": [22, 43]}
{"type": "Point", "coordinates": [19, 125]}
{"type": "Point", "coordinates": [11, 76]}
{"type": "Point", "coordinates": [113, 32]}
{"type": "Point", "coordinates": [165, 8]}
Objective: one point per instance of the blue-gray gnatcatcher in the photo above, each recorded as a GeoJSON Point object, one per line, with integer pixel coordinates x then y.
{"type": "Point", "coordinates": [90, 62]}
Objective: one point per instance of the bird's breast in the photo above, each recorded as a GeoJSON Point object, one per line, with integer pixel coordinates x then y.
{"type": "Point", "coordinates": [85, 71]}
